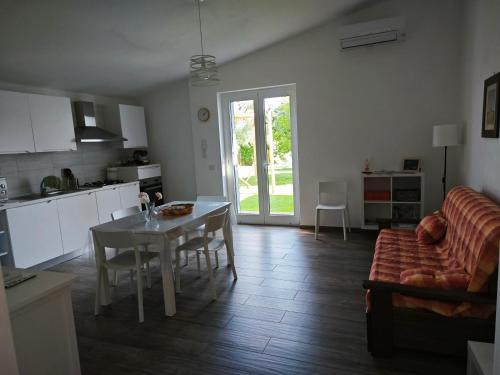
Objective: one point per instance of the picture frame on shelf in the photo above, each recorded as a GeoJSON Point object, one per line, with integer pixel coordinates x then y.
{"type": "Point", "coordinates": [491, 105]}
{"type": "Point", "coordinates": [411, 165]}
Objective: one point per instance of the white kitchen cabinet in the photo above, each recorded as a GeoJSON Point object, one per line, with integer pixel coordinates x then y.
{"type": "Point", "coordinates": [133, 126]}
{"type": "Point", "coordinates": [108, 201]}
{"type": "Point", "coordinates": [129, 195]}
{"type": "Point", "coordinates": [76, 215]}
{"type": "Point", "coordinates": [52, 122]}
{"type": "Point", "coordinates": [16, 134]}
{"type": "Point", "coordinates": [34, 233]}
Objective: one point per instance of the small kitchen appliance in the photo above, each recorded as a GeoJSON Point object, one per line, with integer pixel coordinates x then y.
{"type": "Point", "coordinates": [4, 195]}
{"type": "Point", "coordinates": [149, 177]}
{"type": "Point", "coordinates": [141, 157]}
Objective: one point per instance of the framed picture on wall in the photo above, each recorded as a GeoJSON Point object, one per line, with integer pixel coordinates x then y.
{"type": "Point", "coordinates": [491, 102]}
{"type": "Point", "coordinates": [411, 165]}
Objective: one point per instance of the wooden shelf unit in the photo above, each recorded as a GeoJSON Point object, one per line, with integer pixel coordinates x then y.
{"type": "Point", "coordinates": [406, 203]}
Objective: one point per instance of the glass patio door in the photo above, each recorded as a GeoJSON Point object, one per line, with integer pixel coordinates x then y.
{"type": "Point", "coordinates": [260, 150]}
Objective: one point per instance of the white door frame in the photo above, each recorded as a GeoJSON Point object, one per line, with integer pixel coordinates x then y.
{"type": "Point", "coordinates": [258, 96]}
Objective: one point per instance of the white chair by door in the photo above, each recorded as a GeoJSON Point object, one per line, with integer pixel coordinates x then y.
{"type": "Point", "coordinates": [205, 245]}
{"type": "Point", "coordinates": [128, 260]}
{"type": "Point", "coordinates": [333, 196]}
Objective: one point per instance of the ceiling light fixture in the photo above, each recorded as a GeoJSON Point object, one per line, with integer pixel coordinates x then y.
{"type": "Point", "coordinates": [203, 67]}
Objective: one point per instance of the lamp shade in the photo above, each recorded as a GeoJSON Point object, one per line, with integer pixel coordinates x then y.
{"type": "Point", "coordinates": [445, 135]}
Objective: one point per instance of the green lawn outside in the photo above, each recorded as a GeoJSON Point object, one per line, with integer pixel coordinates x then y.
{"type": "Point", "coordinates": [279, 204]}
{"type": "Point", "coordinates": [283, 177]}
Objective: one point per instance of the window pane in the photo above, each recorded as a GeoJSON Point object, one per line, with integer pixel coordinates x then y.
{"type": "Point", "coordinates": [279, 155]}
{"type": "Point", "coordinates": [244, 156]}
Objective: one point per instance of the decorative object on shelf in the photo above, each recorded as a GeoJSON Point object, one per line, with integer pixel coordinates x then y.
{"type": "Point", "coordinates": [378, 195]}
{"type": "Point", "coordinates": [150, 204]}
{"type": "Point", "coordinates": [407, 195]}
{"type": "Point", "coordinates": [204, 70]}
{"type": "Point", "coordinates": [491, 104]}
{"type": "Point", "coordinates": [412, 165]}
{"type": "Point", "coordinates": [366, 169]}
{"type": "Point", "coordinates": [203, 114]}
{"type": "Point", "coordinates": [444, 136]}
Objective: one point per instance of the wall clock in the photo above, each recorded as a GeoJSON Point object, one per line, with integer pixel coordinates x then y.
{"type": "Point", "coordinates": [203, 114]}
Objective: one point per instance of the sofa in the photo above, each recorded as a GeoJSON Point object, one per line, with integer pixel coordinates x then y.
{"type": "Point", "coordinates": [437, 296]}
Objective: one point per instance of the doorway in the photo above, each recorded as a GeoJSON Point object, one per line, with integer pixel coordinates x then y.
{"type": "Point", "coordinates": [260, 142]}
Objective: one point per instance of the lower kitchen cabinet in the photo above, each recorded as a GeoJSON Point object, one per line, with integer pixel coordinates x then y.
{"type": "Point", "coordinates": [43, 231]}
{"type": "Point", "coordinates": [35, 233]}
{"type": "Point", "coordinates": [76, 215]}
{"type": "Point", "coordinates": [108, 201]}
{"type": "Point", "coordinates": [129, 195]}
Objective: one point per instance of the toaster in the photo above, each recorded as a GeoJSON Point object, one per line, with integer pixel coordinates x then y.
{"type": "Point", "coordinates": [4, 196]}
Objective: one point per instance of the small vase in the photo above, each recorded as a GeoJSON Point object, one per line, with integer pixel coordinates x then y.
{"type": "Point", "coordinates": [150, 208]}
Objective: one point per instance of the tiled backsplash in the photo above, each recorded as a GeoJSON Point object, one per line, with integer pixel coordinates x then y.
{"type": "Point", "coordinates": [24, 172]}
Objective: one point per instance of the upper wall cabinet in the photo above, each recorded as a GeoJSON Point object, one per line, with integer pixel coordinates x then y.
{"type": "Point", "coordinates": [133, 126]}
{"type": "Point", "coordinates": [16, 134]}
{"type": "Point", "coordinates": [52, 121]}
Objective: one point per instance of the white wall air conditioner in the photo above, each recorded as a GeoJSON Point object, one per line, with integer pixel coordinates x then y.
{"type": "Point", "coordinates": [372, 33]}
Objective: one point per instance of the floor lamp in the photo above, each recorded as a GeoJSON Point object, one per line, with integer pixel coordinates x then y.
{"type": "Point", "coordinates": [444, 136]}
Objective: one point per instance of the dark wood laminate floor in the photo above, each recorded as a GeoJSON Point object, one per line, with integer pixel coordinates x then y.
{"type": "Point", "coordinates": [297, 308]}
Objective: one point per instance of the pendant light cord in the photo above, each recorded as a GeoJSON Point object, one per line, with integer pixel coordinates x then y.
{"type": "Point", "coordinates": [199, 22]}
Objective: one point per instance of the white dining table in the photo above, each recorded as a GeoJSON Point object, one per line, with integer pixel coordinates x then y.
{"type": "Point", "coordinates": [162, 230]}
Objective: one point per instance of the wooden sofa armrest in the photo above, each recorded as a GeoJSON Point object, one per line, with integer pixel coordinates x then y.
{"type": "Point", "coordinates": [429, 293]}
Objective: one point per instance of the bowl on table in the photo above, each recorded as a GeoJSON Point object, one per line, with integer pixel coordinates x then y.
{"type": "Point", "coordinates": [177, 209]}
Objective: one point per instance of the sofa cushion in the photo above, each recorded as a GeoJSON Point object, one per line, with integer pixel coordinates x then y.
{"type": "Point", "coordinates": [431, 229]}
{"type": "Point", "coordinates": [398, 254]}
{"type": "Point", "coordinates": [427, 278]}
{"type": "Point", "coordinates": [397, 250]}
{"type": "Point", "coordinates": [473, 234]}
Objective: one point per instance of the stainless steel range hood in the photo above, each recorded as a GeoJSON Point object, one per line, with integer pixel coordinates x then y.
{"type": "Point", "coordinates": [86, 127]}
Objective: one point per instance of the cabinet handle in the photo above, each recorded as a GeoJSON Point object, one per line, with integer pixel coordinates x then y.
{"type": "Point", "coordinates": [89, 194]}
{"type": "Point", "coordinates": [49, 201]}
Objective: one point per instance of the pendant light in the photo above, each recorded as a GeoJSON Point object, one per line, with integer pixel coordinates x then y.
{"type": "Point", "coordinates": [203, 67]}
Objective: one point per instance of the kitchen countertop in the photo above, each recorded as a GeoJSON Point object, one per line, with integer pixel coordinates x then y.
{"type": "Point", "coordinates": [42, 284]}
{"type": "Point", "coordinates": [33, 199]}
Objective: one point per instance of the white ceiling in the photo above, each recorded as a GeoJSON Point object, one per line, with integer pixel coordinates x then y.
{"type": "Point", "coordinates": [126, 47]}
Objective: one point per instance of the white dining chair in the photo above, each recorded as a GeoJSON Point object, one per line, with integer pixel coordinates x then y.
{"type": "Point", "coordinates": [333, 196]}
{"type": "Point", "coordinates": [205, 245]}
{"type": "Point", "coordinates": [199, 231]}
{"type": "Point", "coordinates": [218, 198]}
{"type": "Point", "coordinates": [127, 260]}
{"type": "Point", "coordinates": [124, 212]}
{"type": "Point", "coordinates": [120, 214]}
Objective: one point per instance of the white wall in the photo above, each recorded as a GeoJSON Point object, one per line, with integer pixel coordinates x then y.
{"type": "Point", "coordinates": [170, 139]}
{"type": "Point", "coordinates": [481, 162]}
{"type": "Point", "coordinates": [378, 103]}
